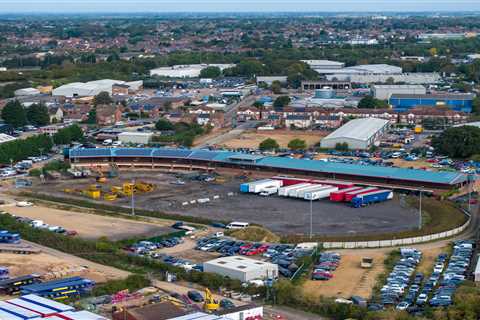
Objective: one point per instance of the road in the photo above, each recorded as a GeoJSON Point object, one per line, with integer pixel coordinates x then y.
{"type": "Point", "coordinates": [232, 134]}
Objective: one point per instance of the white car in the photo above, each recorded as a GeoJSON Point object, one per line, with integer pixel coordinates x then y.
{"type": "Point", "coordinates": [403, 306]}
{"type": "Point", "coordinates": [24, 204]}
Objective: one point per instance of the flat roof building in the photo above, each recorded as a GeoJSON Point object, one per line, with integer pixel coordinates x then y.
{"type": "Point", "coordinates": [459, 101]}
{"type": "Point", "coordinates": [92, 88]}
{"type": "Point", "coordinates": [241, 268]}
{"type": "Point", "coordinates": [324, 64]}
{"type": "Point", "coordinates": [358, 133]}
{"type": "Point", "coordinates": [383, 92]}
{"type": "Point", "coordinates": [186, 71]}
{"type": "Point", "coordinates": [135, 137]}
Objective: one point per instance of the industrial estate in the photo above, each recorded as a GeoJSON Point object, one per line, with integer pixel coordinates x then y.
{"type": "Point", "coordinates": [240, 167]}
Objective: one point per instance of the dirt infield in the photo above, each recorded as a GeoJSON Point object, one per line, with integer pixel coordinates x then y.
{"type": "Point", "coordinates": [283, 137]}
{"type": "Point", "coordinates": [91, 226]}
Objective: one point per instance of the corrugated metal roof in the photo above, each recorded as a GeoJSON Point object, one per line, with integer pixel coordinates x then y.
{"type": "Point", "coordinates": [358, 129]}
{"type": "Point", "coordinates": [451, 96]}
{"type": "Point", "coordinates": [289, 163]}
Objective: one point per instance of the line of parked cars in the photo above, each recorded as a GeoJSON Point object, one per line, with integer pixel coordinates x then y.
{"type": "Point", "coordinates": [39, 224]}
{"type": "Point", "coordinates": [284, 255]}
{"type": "Point", "coordinates": [400, 278]}
{"type": "Point", "coordinates": [327, 263]}
{"type": "Point", "coordinates": [454, 274]}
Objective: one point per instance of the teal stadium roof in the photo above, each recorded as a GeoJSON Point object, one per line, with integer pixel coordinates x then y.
{"type": "Point", "coordinates": [447, 178]}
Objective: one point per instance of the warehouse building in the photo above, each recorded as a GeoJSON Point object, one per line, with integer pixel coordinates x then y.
{"type": "Point", "coordinates": [458, 102]}
{"type": "Point", "coordinates": [135, 137]}
{"type": "Point", "coordinates": [241, 268]}
{"type": "Point", "coordinates": [92, 88]}
{"type": "Point", "coordinates": [409, 78]}
{"type": "Point", "coordinates": [384, 92]}
{"type": "Point", "coordinates": [358, 134]}
{"type": "Point", "coordinates": [186, 71]}
{"type": "Point", "coordinates": [6, 138]}
{"type": "Point", "coordinates": [324, 66]}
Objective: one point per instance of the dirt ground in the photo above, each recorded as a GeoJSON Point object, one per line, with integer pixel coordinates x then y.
{"type": "Point", "coordinates": [51, 267]}
{"type": "Point", "coordinates": [91, 226]}
{"type": "Point", "coordinates": [186, 250]}
{"type": "Point", "coordinates": [283, 137]}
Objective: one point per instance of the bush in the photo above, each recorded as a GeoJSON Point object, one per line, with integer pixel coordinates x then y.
{"type": "Point", "coordinates": [132, 283]}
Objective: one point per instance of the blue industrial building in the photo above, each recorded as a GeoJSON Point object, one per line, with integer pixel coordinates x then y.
{"type": "Point", "coordinates": [459, 102]}
{"type": "Point", "coordinates": [209, 159]}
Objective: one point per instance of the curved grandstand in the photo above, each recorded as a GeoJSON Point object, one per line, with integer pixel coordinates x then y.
{"type": "Point", "coordinates": [207, 159]}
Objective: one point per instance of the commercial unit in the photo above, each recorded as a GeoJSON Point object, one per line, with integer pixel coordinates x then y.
{"type": "Point", "coordinates": [324, 64]}
{"type": "Point", "coordinates": [268, 80]}
{"type": "Point", "coordinates": [92, 88]}
{"type": "Point", "coordinates": [26, 92]}
{"type": "Point", "coordinates": [186, 71]}
{"type": "Point", "coordinates": [196, 159]}
{"type": "Point", "coordinates": [383, 92]}
{"type": "Point", "coordinates": [459, 101]}
{"type": "Point", "coordinates": [340, 87]}
{"type": "Point", "coordinates": [409, 78]}
{"type": "Point", "coordinates": [6, 138]}
{"type": "Point", "coordinates": [135, 137]}
{"type": "Point", "coordinates": [60, 289]}
{"type": "Point", "coordinates": [358, 133]}
{"type": "Point", "coordinates": [241, 268]}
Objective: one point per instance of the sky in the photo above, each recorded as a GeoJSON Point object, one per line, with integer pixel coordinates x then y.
{"type": "Point", "coordinates": [125, 6]}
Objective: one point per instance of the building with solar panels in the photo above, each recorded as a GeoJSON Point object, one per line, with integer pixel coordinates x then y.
{"type": "Point", "coordinates": [358, 134]}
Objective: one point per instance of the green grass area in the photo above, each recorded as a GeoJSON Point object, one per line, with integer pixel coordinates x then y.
{"type": "Point", "coordinates": [254, 233]}
{"type": "Point", "coordinates": [438, 216]}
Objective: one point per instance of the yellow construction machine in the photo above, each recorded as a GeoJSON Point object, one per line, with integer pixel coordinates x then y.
{"type": "Point", "coordinates": [93, 192]}
{"type": "Point", "coordinates": [210, 303]}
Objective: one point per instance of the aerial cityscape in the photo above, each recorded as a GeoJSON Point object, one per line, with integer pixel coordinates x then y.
{"type": "Point", "coordinates": [239, 160]}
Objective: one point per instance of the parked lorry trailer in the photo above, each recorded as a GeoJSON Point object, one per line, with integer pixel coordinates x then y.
{"type": "Point", "coordinates": [320, 194]}
{"type": "Point", "coordinates": [301, 193]}
{"type": "Point", "coordinates": [60, 289]}
{"type": "Point", "coordinates": [371, 197]}
{"type": "Point", "coordinates": [350, 195]}
{"type": "Point", "coordinates": [288, 181]}
{"type": "Point", "coordinates": [257, 186]}
{"type": "Point", "coordinates": [336, 183]}
{"type": "Point", "coordinates": [8, 237]}
{"type": "Point", "coordinates": [12, 285]}
{"type": "Point", "coordinates": [283, 191]}
{"type": "Point", "coordinates": [339, 196]}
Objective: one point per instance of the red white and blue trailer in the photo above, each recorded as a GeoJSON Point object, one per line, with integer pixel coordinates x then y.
{"type": "Point", "coordinates": [350, 195]}
{"type": "Point", "coordinates": [371, 197]}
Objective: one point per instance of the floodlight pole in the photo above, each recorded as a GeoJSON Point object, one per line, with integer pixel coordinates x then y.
{"type": "Point", "coordinates": [420, 212]}
{"type": "Point", "coordinates": [311, 218]}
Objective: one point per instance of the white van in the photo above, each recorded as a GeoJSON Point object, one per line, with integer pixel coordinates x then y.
{"type": "Point", "coordinates": [238, 225]}
{"type": "Point", "coordinates": [107, 142]}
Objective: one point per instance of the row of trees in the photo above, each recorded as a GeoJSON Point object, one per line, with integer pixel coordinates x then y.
{"type": "Point", "coordinates": [270, 144]}
{"type": "Point", "coordinates": [182, 133]}
{"type": "Point", "coordinates": [458, 142]}
{"type": "Point", "coordinates": [17, 116]}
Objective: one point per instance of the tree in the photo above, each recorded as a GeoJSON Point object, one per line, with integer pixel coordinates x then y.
{"type": "Point", "coordinates": [458, 142]}
{"type": "Point", "coordinates": [92, 116]}
{"type": "Point", "coordinates": [210, 72]}
{"type": "Point", "coordinates": [276, 87]}
{"type": "Point", "coordinates": [370, 102]}
{"type": "Point", "coordinates": [297, 144]}
{"type": "Point", "coordinates": [268, 145]}
{"type": "Point", "coordinates": [341, 146]}
{"type": "Point", "coordinates": [164, 125]}
{"type": "Point", "coordinates": [281, 102]}
{"type": "Point", "coordinates": [476, 106]}
{"type": "Point", "coordinates": [102, 98]}
{"type": "Point", "coordinates": [37, 115]}
{"type": "Point", "coordinates": [14, 114]}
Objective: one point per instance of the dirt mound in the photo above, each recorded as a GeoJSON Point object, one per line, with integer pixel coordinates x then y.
{"type": "Point", "coordinates": [257, 234]}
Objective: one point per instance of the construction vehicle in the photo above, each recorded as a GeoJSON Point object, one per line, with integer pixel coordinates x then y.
{"type": "Point", "coordinates": [110, 196]}
{"type": "Point", "coordinates": [144, 186]}
{"type": "Point", "coordinates": [366, 263]}
{"type": "Point", "coordinates": [418, 129]}
{"type": "Point", "coordinates": [210, 303]}
{"type": "Point", "coordinates": [93, 192]}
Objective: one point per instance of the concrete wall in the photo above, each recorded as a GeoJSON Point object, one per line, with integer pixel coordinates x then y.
{"type": "Point", "coordinates": [395, 242]}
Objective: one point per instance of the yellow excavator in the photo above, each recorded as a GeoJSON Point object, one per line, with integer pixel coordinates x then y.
{"type": "Point", "coordinates": [210, 303]}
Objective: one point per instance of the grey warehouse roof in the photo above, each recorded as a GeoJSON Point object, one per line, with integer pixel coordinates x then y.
{"type": "Point", "coordinates": [358, 129]}
{"type": "Point", "coordinates": [458, 96]}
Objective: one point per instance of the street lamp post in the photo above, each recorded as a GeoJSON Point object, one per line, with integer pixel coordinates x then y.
{"type": "Point", "coordinates": [311, 218]}
{"type": "Point", "coordinates": [420, 212]}
{"type": "Point", "coordinates": [133, 197]}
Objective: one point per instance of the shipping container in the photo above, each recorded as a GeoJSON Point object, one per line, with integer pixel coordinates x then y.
{"type": "Point", "coordinates": [12, 285]}
{"type": "Point", "coordinates": [283, 191]}
{"type": "Point", "coordinates": [350, 195]}
{"type": "Point", "coordinates": [293, 192]}
{"type": "Point", "coordinates": [244, 187]}
{"type": "Point", "coordinates": [320, 194]}
{"type": "Point", "coordinates": [8, 237]}
{"type": "Point", "coordinates": [339, 196]}
{"type": "Point", "coordinates": [371, 197]}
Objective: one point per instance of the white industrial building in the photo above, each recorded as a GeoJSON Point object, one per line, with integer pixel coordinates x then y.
{"type": "Point", "coordinates": [409, 78]}
{"type": "Point", "coordinates": [383, 92]}
{"type": "Point", "coordinates": [92, 88]}
{"type": "Point", "coordinates": [135, 137]}
{"type": "Point", "coordinates": [271, 79]}
{"type": "Point", "coordinates": [26, 92]}
{"type": "Point", "coordinates": [324, 64]}
{"type": "Point", "coordinates": [241, 268]}
{"type": "Point", "coordinates": [358, 133]}
{"type": "Point", "coordinates": [186, 71]}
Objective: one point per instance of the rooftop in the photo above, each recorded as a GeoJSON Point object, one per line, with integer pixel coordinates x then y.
{"type": "Point", "coordinates": [239, 263]}
{"type": "Point", "coordinates": [359, 129]}
{"type": "Point", "coordinates": [450, 96]}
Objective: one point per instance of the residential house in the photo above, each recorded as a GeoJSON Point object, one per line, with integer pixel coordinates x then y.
{"type": "Point", "coordinates": [298, 121]}
{"type": "Point", "coordinates": [108, 114]}
{"type": "Point", "coordinates": [56, 114]}
{"type": "Point", "coordinates": [248, 113]}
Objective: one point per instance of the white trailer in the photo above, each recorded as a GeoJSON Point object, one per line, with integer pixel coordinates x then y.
{"type": "Point", "coordinates": [293, 193]}
{"type": "Point", "coordinates": [301, 193]}
{"type": "Point", "coordinates": [258, 186]}
{"type": "Point", "coordinates": [283, 192]}
{"type": "Point", "coordinates": [320, 194]}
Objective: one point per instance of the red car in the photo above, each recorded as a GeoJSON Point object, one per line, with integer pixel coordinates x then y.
{"type": "Point", "coordinates": [251, 252]}
{"type": "Point", "coordinates": [263, 248]}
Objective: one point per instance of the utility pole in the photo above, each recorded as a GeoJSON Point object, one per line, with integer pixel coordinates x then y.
{"type": "Point", "coordinates": [133, 197]}
{"type": "Point", "coordinates": [420, 211]}
{"type": "Point", "coordinates": [311, 218]}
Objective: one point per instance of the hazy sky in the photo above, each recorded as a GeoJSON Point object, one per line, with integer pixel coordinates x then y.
{"type": "Point", "coordinates": [53, 6]}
